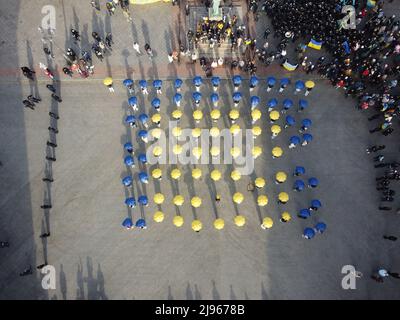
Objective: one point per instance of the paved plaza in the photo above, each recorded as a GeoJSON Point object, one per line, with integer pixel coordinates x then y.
{"type": "Point", "coordinates": [95, 257]}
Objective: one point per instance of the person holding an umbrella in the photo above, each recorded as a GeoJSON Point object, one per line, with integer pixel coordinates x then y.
{"type": "Point", "coordinates": [283, 198]}
{"type": "Point", "coordinates": [307, 138]}
{"type": "Point", "coordinates": [143, 87]}
{"type": "Point", "coordinates": [215, 82]}
{"type": "Point", "coordinates": [177, 99]}
{"type": "Point", "coordinates": [157, 84]}
{"type": "Point", "coordinates": [129, 161]}
{"type": "Point", "coordinates": [132, 101]}
{"type": "Point", "coordinates": [271, 104]}
{"type": "Point", "coordinates": [128, 83]}
{"type": "Point", "coordinates": [305, 125]}
{"type": "Point", "coordinates": [285, 217]}
{"type": "Point", "coordinates": [127, 181]}
{"type": "Point", "coordinates": [299, 185]}
{"type": "Point", "coordinates": [237, 81]}
{"type": "Point", "coordinates": [254, 101]}
{"type": "Point", "coordinates": [253, 83]}
{"type": "Point", "coordinates": [267, 223]}
{"type": "Point", "coordinates": [237, 96]}
{"type": "Point", "coordinates": [309, 86]}
{"type": "Point", "coordinates": [142, 158]}
{"type": "Point", "coordinates": [196, 98]}
{"type": "Point", "coordinates": [304, 214]}
{"type": "Point", "coordinates": [303, 104]}
{"type": "Point", "coordinates": [289, 121]}
{"type": "Point", "coordinates": [280, 177]}
{"type": "Point", "coordinates": [155, 103]}
{"type": "Point", "coordinates": [308, 233]}
{"type": "Point", "coordinates": [214, 99]}
{"type": "Point", "coordinates": [287, 105]}
{"type": "Point", "coordinates": [320, 227]}
{"type": "Point", "coordinates": [284, 83]}
{"type": "Point", "coordinates": [156, 119]}
{"type": "Point", "coordinates": [315, 205]}
{"type": "Point", "coordinates": [276, 130]}
{"type": "Point", "coordinates": [131, 120]}
{"type": "Point", "coordinates": [298, 171]}
{"type": "Point", "coordinates": [130, 202]}
{"type": "Point", "coordinates": [274, 116]}
{"type": "Point", "coordinates": [144, 119]}
{"type": "Point", "coordinates": [270, 83]}
{"type": "Point", "coordinates": [294, 141]}
{"type": "Point", "coordinates": [178, 84]}
{"type": "Point", "coordinates": [141, 223]}
{"type": "Point", "coordinates": [143, 200]}
{"type": "Point", "coordinates": [299, 86]}
{"type": "Point", "coordinates": [197, 81]}
{"type": "Point", "coordinates": [313, 182]}
{"type": "Point", "coordinates": [143, 177]}
{"type": "Point", "coordinates": [108, 82]}
{"type": "Point", "coordinates": [127, 223]}
{"type": "Point", "coordinates": [129, 147]}
{"type": "Point", "coordinates": [144, 135]}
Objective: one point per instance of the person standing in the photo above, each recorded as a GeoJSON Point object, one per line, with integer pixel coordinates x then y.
{"type": "Point", "coordinates": [136, 47]}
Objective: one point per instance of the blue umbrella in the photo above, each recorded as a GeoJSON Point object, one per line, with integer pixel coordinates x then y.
{"type": "Point", "coordinates": [237, 80]}
{"type": "Point", "coordinates": [128, 147]}
{"type": "Point", "coordinates": [132, 101]}
{"type": "Point", "coordinates": [237, 96]}
{"type": "Point", "coordinates": [143, 83]}
{"type": "Point", "coordinates": [214, 97]}
{"type": "Point", "coordinates": [299, 171]}
{"type": "Point", "coordinates": [143, 200]}
{"type": "Point", "coordinates": [299, 85]}
{"type": "Point", "coordinates": [315, 204]}
{"type": "Point", "coordinates": [142, 158]}
{"type": "Point", "coordinates": [129, 161]}
{"type": "Point", "coordinates": [290, 120]}
{"type": "Point", "coordinates": [130, 202]}
{"type": "Point", "coordinates": [287, 104]}
{"type": "Point", "coordinates": [306, 123]}
{"type": "Point", "coordinates": [127, 181]}
{"type": "Point", "coordinates": [197, 81]}
{"type": "Point", "coordinates": [295, 140]}
{"type": "Point", "coordinates": [177, 98]}
{"type": "Point", "coordinates": [143, 118]}
{"type": "Point", "coordinates": [128, 82]}
{"type": "Point", "coordinates": [155, 103]}
{"type": "Point", "coordinates": [143, 177]}
{"type": "Point", "coordinates": [303, 104]}
{"type": "Point", "coordinates": [308, 233]}
{"type": "Point", "coordinates": [130, 119]}
{"type": "Point", "coordinates": [285, 82]}
{"type": "Point", "coordinates": [254, 100]}
{"type": "Point", "coordinates": [141, 223]}
{"type": "Point", "coordinates": [197, 96]}
{"type": "Point", "coordinates": [127, 223]}
{"type": "Point", "coordinates": [304, 213]}
{"type": "Point", "coordinates": [215, 81]}
{"type": "Point", "coordinates": [271, 81]}
{"type": "Point", "coordinates": [272, 103]}
{"type": "Point", "coordinates": [178, 83]}
{"type": "Point", "coordinates": [320, 227]}
{"type": "Point", "coordinates": [143, 133]}
{"type": "Point", "coordinates": [157, 83]}
{"type": "Point", "coordinates": [299, 185]}
{"type": "Point", "coordinates": [254, 81]}
{"type": "Point", "coordinates": [307, 137]}
{"type": "Point", "coordinates": [313, 182]}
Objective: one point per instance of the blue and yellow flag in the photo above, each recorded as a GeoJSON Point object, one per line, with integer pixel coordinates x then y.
{"type": "Point", "coordinates": [289, 67]}
{"type": "Point", "coordinates": [315, 44]}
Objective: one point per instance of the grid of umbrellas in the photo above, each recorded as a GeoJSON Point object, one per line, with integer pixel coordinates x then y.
{"type": "Point", "coordinates": [145, 126]}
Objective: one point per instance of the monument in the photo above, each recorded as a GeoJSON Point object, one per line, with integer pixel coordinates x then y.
{"type": "Point", "coordinates": [215, 13]}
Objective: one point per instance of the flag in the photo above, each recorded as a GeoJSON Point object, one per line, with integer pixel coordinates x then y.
{"type": "Point", "coordinates": [371, 3]}
{"type": "Point", "coordinates": [289, 67]}
{"type": "Point", "coordinates": [315, 44]}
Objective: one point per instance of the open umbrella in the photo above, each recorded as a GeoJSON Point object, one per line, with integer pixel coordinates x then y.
{"type": "Point", "coordinates": [303, 104]}
{"type": "Point", "coordinates": [271, 81]}
{"type": "Point", "coordinates": [304, 213]}
{"type": "Point", "coordinates": [240, 221]}
{"type": "Point", "coordinates": [219, 224]}
{"type": "Point", "coordinates": [238, 198]}
{"type": "Point", "coordinates": [299, 85]}
{"type": "Point", "coordinates": [290, 121]}
{"type": "Point", "coordinates": [237, 96]}
{"type": "Point", "coordinates": [267, 223]}
{"type": "Point", "coordinates": [299, 185]}
{"type": "Point", "coordinates": [127, 223]}
{"type": "Point", "coordinates": [215, 114]}
{"type": "Point", "coordinates": [175, 174]}
{"type": "Point", "coordinates": [157, 151]}
{"type": "Point", "coordinates": [143, 118]}
{"type": "Point", "coordinates": [156, 118]}
{"type": "Point", "coordinates": [256, 152]}
{"type": "Point", "coordinates": [196, 202]}
{"type": "Point", "coordinates": [280, 176]}
{"type": "Point", "coordinates": [178, 221]}
{"type": "Point", "coordinates": [320, 227]}
{"type": "Point", "coordinates": [215, 151]}
{"type": "Point", "coordinates": [197, 115]}
{"type": "Point", "coordinates": [196, 97]}
{"type": "Point", "coordinates": [196, 173]}
{"type": "Point", "coordinates": [177, 114]}
{"type": "Point", "coordinates": [294, 141]}
{"type": "Point", "coordinates": [272, 103]}
{"type": "Point", "coordinates": [156, 133]}
{"type": "Point", "coordinates": [132, 101]}
{"type": "Point", "coordinates": [176, 131]}
{"type": "Point", "coordinates": [310, 84]}
{"type": "Point", "coordinates": [254, 81]}
{"type": "Point", "coordinates": [299, 171]}
{"type": "Point", "coordinates": [215, 175]}
{"type": "Point", "coordinates": [127, 82]}
{"type": "Point", "coordinates": [143, 177]}
{"type": "Point", "coordinates": [262, 200]}
{"type": "Point", "coordinates": [177, 149]}
{"type": "Point", "coordinates": [128, 147]}
{"type": "Point", "coordinates": [214, 97]}
{"type": "Point", "coordinates": [129, 161]}
{"type": "Point", "coordinates": [143, 134]}
{"type": "Point", "coordinates": [236, 175]}
{"type": "Point", "coordinates": [197, 81]}
{"type": "Point", "coordinates": [234, 129]}
{"type": "Point", "coordinates": [287, 104]}
{"type": "Point", "coordinates": [313, 182]}
{"type": "Point", "coordinates": [274, 115]}
{"type": "Point", "coordinates": [237, 80]}
{"type": "Point", "coordinates": [234, 114]}
{"type": "Point", "coordinates": [259, 182]}
{"type": "Point", "coordinates": [178, 200]}
{"type": "Point", "coordinates": [177, 98]}
{"type": "Point", "coordinates": [254, 101]}
{"type": "Point", "coordinates": [285, 216]}
{"type": "Point", "coordinates": [235, 152]}
{"type": "Point", "coordinates": [197, 152]}
{"type": "Point", "coordinates": [275, 129]}
{"type": "Point", "coordinates": [158, 216]}
{"type": "Point", "coordinates": [108, 81]}
{"type": "Point", "coordinates": [308, 233]}
{"type": "Point", "coordinates": [130, 202]}
{"type": "Point", "coordinates": [127, 181]}
{"type": "Point", "coordinates": [196, 132]}
{"type": "Point", "coordinates": [158, 198]}
{"type": "Point", "coordinates": [256, 130]}
{"type": "Point", "coordinates": [315, 204]}
{"type": "Point", "coordinates": [157, 83]}
{"type": "Point", "coordinates": [283, 197]}
{"type": "Point", "coordinates": [178, 83]}
{"type": "Point", "coordinates": [142, 158]}
{"type": "Point", "coordinates": [197, 225]}
{"type": "Point", "coordinates": [255, 115]}
{"type": "Point", "coordinates": [143, 200]}
{"type": "Point", "coordinates": [277, 152]}
{"type": "Point", "coordinates": [155, 103]}
{"type": "Point", "coordinates": [214, 132]}
{"type": "Point", "coordinates": [156, 173]}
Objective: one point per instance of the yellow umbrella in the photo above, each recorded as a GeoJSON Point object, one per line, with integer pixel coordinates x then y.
{"type": "Point", "coordinates": [277, 152]}
{"type": "Point", "coordinates": [215, 175]}
{"type": "Point", "coordinates": [178, 200]}
{"type": "Point", "coordinates": [286, 216]}
{"type": "Point", "coordinates": [238, 198]}
{"type": "Point", "coordinates": [235, 152]}
{"type": "Point", "coordinates": [197, 151]}
{"type": "Point", "coordinates": [156, 173]}
{"type": "Point", "coordinates": [234, 114]}
{"type": "Point", "coordinates": [157, 151]}
{"type": "Point", "coordinates": [280, 176]}
{"type": "Point", "coordinates": [156, 133]}
{"type": "Point", "coordinates": [158, 216]}
{"type": "Point", "coordinates": [196, 132]}
{"type": "Point", "coordinates": [177, 114]}
{"type": "Point", "coordinates": [236, 175]}
{"type": "Point", "coordinates": [178, 221]}
{"type": "Point", "coordinates": [108, 81]}
{"type": "Point", "coordinates": [274, 115]}
{"type": "Point", "coordinates": [267, 223]}
{"type": "Point", "coordinates": [275, 129]}
{"type": "Point", "coordinates": [156, 118]}
{"type": "Point", "coordinates": [234, 129]}
{"type": "Point", "coordinates": [260, 182]}
{"type": "Point", "coordinates": [175, 174]}
{"type": "Point", "coordinates": [240, 221]}
{"type": "Point", "coordinates": [283, 197]}
{"type": "Point", "coordinates": [214, 132]}
{"type": "Point", "coordinates": [310, 84]}
{"type": "Point", "coordinates": [196, 202]}
{"type": "Point", "coordinates": [219, 224]}
{"type": "Point", "coordinates": [177, 149]}
{"type": "Point", "coordinates": [196, 173]}
{"type": "Point", "coordinates": [255, 114]}
{"type": "Point", "coordinates": [257, 151]}
{"type": "Point", "coordinates": [256, 131]}
{"type": "Point", "coordinates": [197, 225]}
{"type": "Point", "coordinates": [215, 114]}
{"type": "Point", "coordinates": [214, 151]}
{"type": "Point", "coordinates": [197, 115]}
{"type": "Point", "coordinates": [262, 200]}
{"type": "Point", "coordinates": [158, 198]}
{"type": "Point", "coordinates": [176, 131]}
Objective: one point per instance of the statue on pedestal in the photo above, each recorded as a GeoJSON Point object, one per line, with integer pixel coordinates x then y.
{"type": "Point", "coordinates": [215, 13]}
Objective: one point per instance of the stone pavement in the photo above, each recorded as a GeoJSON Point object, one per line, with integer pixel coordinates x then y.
{"type": "Point", "coordinates": [97, 259]}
